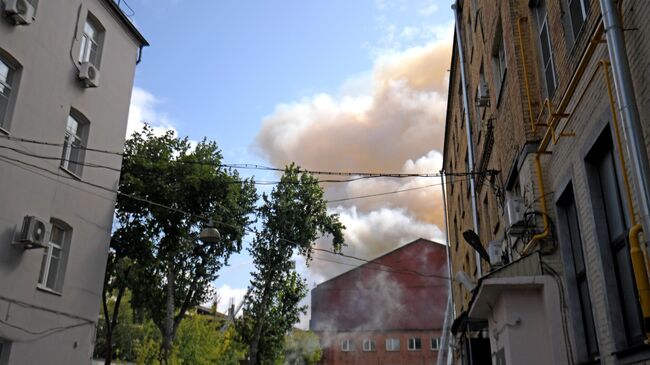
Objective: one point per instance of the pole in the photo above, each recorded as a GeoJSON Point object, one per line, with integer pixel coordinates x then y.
{"type": "Point", "coordinates": [450, 313]}
{"type": "Point", "coordinates": [468, 125]}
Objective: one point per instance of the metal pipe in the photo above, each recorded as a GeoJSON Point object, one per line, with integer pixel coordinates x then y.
{"type": "Point", "coordinates": [450, 312]}
{"type": "Point", "coordinates": [636, 255]}
{"type": "Point", "coordinates": [526, 84]}
{"type": "Point", "coordinates": [468, 124]}
{"type": "Point", "coordinates": [542, 197]}
{"type": "Point", "coordinates": [443, 180]}
{"type": "Point", "coordinates": [628, 108]}
{"type": "Point", "coordinates": [573, 84]}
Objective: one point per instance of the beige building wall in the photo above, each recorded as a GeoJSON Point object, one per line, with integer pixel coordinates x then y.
{"type": "Point", "coordinates": [58, 326]}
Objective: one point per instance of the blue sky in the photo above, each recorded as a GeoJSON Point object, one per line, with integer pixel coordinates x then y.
{"type": "Point", "coordinates": [249, 74]}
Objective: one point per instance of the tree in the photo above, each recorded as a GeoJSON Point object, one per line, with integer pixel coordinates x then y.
{"type": "Point", "coordinates": [169, 190]}
{"type": "Point", "coordinates": [302, 348]}
{"type": "Point", "coordinates": [293, 217]}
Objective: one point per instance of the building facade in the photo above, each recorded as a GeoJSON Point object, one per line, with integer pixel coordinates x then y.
{"type": "Point", "coordinates": [66, 73]}
{"type": "Point", "coordinates": [558, 209]}
{"type": "Point", "coordinates": [387, 311]}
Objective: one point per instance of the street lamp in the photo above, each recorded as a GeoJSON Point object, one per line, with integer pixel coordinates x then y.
{"type": "Point", "coordinates": [209, 235]}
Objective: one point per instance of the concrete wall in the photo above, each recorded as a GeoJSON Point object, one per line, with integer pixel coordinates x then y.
{"type": "Point", "coordinates": [47, 327]}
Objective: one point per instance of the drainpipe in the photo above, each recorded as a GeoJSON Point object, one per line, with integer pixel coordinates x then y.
{"type": "Point", "coordinates": [446, 352]}
{"type": "Point", "coordinates": [468, 125]}
{"type": "Point", "coordinates": [633, 131]}
{"type": "Point", "coordinates": [626, 98]}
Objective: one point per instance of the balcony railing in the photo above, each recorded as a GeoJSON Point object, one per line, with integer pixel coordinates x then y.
{"type": "Point", "coordinates": [124, 6]}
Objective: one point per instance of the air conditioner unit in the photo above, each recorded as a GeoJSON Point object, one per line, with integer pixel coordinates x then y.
{"type": "Point", "coordinates": [32, 234]}
{"type": "Point", "coordinates": [89, 74]}
{"type": "Point", "coordinates": [20, 11]}
{"type": "Point", "coordinates": [495, 251]}
{"type": "Point", "coordinates": [483, 95]}
{"type": "Point", "coordinates": [515, 224]}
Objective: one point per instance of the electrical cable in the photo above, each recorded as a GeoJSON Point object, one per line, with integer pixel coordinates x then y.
{"type": "Point", "coordinates": [254, 166]}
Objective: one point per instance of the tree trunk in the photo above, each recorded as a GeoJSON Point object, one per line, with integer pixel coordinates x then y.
{"type": "Point", "coordinates": [112, 323]}
{"type": "Point", "coordinates": [253, 351]}
{"type": "Point", "coordinates": [109, 329]}
{"type": "Point", "coordinates": [168, 333]}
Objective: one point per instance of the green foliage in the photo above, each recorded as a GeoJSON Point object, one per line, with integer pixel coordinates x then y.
{"type": "Point", "coordinates": [302, 348]}
{"type": "Point", "coordinates": [162, 243]}
{"type": "Point", "coordinates": [128, 337]}
{"type": "Point", "coordinates": [293, 217]}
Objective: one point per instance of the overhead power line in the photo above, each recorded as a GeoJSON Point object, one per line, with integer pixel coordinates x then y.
{"type": "Point", "coordinates": [357, 175]}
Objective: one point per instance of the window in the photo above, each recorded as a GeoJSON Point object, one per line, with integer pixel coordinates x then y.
{"type": "Point", "coordinates": [578, 10]}
{"type": "Point", "coordinates": [347, 345]}
{"type": "Point", "coordinates": [499, 60]}
{"type": "Point", "coordinates": [53, 265]}
{"type": "Point", "coordinates": [369, 345]}
{"type": "Point", "coordinates": [6, 84]}
{"type": "Point", "coordinates": [548, 64]}
{"type": "Point", "coordinates": [612, 228]}
{"type": "Point", "coordinates": [74, 145]}
{"type": "Point", "coordinates": [415, 344]}
{"type": "Point", "coordinates": [576, 273]}
{"type": "Point", "coordinates": [435, 343]}
{"type": "Point", "coordinates": [392, 344]}
{"type": "Point", "coordinates": [91, 41]}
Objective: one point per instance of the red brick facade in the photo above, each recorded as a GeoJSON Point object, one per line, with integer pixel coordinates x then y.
{"type": "Point", "coordinates": [401, 296]}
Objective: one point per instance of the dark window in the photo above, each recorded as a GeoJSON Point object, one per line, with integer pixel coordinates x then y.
{"type": "Point", "coordinates": [571, 238]}
{"type": "Point", "coordinates": [499, 60]}
{"type": "Point", "coordinates": [578, 10]}
{"type": "Point", "coordinates": [610, 214]}
{"type": "Point", "coordinates": [415, 343]}
{"type": "Point", "coordinates": [546, 48]}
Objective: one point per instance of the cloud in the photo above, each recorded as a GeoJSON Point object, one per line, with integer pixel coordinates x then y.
{"type": "Point", "coordinates": [389, 119]}
{"type": "Point", "coordinates": [145, 109]}
{"type": "Point", "coordinates": [429, 9]}
{"type": "Point", "coordinates": [226, 293]}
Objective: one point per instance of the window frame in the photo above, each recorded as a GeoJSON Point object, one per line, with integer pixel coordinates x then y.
{"type": "Point", "coordinates": [572, 250]}
{"type": "Point", "coordinates": [414, 344]}
{"type": "Point", "coordinates": [437, 342]}
{"type": "Point", "coordinates": [392, 344]}
{"type": "Point", "coordinates": [541, 18]}
{"type": "Point", "coordinates": [46, 262]}
{"type": "Point", "coordinates": [584, 8]}
{"type": "Point", "coordinates": [372, 345]}
{"type": "Point", "coordinates": [74, 141]}
{"type": "Point", "coordinates": [347, 345]}
{"type": "Point", "coordinates": [612, 244]}
{"type": "Point", "coordinates": [11, 83]}
{"type": "Point", "coordinates": [85, 39]}
{"type": "Point", "coordinates": [499, 61]}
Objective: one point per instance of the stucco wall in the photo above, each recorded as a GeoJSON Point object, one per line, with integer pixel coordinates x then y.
{"type": "Point", "coordinates": [48, 88]}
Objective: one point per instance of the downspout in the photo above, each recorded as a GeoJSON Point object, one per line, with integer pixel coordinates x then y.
{"type": "Point", "coordinates": [446, 353]}
{"type": "Point", "coordinates": [636, 255]}
{"type": "Point", "coordinates": [628, 109]}
{"type": "Point", "coordinates": [468, 125]}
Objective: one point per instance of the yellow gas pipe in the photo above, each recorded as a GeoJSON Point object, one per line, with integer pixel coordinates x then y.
{"type": "Point", "coordinates": [636, 255]}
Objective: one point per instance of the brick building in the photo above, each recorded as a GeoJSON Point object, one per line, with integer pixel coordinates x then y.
{"type": "Point", "coordinates": [557, 198]}
{"type": "Point", "coordinates": [387, 311]}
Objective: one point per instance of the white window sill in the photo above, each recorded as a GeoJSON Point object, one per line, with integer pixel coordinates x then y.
{"type": "Point", "coordinates": [4, 131]}
{"type": "Point", "coordinates": [75, 176]}
{"type": "Point", "coordinates": [48, 290]}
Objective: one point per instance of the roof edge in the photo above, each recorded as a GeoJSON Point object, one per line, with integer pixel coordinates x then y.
{"type": "Point", "coordinates": [112, 5]}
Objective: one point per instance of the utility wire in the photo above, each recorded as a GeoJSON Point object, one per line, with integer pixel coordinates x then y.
{"type": "Point", "coordinates": [244, 166]}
